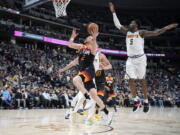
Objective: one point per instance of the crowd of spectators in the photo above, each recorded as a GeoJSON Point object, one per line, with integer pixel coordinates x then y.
{"type": "Point", "coordinates": [33, 73]}
{"type": "Point", "coordinates": [29, 79]}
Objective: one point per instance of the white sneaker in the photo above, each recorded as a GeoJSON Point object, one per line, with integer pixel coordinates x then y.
{"type": "Point", "coordinates": [110, 118]}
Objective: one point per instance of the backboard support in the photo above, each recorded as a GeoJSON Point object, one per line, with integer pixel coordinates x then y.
{"type": "Point", "coordinates": [33, 3]}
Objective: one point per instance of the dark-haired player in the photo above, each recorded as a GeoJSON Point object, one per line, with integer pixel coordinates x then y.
{"type": "Point", "coordinates": [137, 61]}
{"type": "Point", "coordinates": [84, 81]}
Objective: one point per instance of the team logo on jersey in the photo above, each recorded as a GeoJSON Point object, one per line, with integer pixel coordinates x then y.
{"type": "Point", "coordinates": [133, 36]}
{"type": "Point", "coordinates": [85, 50]}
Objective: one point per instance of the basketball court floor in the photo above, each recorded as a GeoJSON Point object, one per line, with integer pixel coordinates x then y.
{"type": "Point", "coordinates": [51, 122]}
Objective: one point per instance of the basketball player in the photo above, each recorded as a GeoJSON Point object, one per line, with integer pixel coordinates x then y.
{"type": "Point", "coordinates": [84, 81]}
{"type": "Point", "coordinates": [110, 90]}
{"type": "Point", "coordinates": [137, 61]}
{"type": "Point", "coordinates": [79, 97]}
{"type": "Point", "coordinates": [101, 63]}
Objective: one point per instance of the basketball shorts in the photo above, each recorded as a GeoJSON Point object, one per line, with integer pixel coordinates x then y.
{"type": "Point", "coordinates": [110, 93]}
{"type": "Point", "coordinates": [136, 68]}
{"type": "Point", "coordinates": [100, 88]}
{"type": "Point", "coordinates": [87, 77]}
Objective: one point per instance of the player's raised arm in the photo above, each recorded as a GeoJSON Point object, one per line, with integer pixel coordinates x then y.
{"type": "Point", "coordinates": [94, 35]}
{"type": "Point", "coordinates": [116, 20]}
{"type": "Point", "coordinates": [106, 65]}
{"type": "Point", "coordinates": [71, 41]}
{"type": "Point", "coordinates": [70, 65]}
{"type": "Point", "coordinates": [145, 33]}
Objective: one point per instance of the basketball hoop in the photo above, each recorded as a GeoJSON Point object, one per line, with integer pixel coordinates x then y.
{"type": "Point", "coordinates": [60, 7]}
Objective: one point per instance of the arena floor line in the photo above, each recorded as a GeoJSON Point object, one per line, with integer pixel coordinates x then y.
{"type": "Point", "coordinates": [51, 122]}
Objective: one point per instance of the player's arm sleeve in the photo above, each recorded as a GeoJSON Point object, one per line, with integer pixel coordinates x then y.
{"type": "Point", "coordinates": [116, 21]}
{"type": "Point", "coordinates": [118, 24]}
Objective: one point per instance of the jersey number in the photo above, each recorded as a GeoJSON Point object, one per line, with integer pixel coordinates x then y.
{"type": "Point", "coordinates": [83, 57]}
{"type": "Point", "coordinates": [131, 41]}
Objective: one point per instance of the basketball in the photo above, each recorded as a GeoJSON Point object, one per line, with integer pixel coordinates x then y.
{"type": "Point", "coordinates": [91, 27]}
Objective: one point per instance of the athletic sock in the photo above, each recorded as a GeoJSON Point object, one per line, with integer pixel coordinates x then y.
{"type": "Point", "coordinates": [106, 111]}
{"type": "Point", "coordinates": [89, 104]}
{"type": "Point", "coordinates": [75, 100]}
{"type": "Point", "coordinates": [91, 111]}
{"type": "Point", "coordinates": [97, 111]}
{"type": "Point", "coordinates": [79, 104]}
{"type": "Point", "coordinates": [86, 96]}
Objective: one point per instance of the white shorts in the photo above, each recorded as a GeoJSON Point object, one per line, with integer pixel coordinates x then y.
{"type": "Point", "coordinates": [136, 68]}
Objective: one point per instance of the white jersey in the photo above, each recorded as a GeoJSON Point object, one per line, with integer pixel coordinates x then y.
{"type": "Point", "coordinates": [134, 43]}
{"type": "Point", "coordinates": [97, 61]}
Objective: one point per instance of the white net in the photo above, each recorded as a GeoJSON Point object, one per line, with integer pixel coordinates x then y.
{"type": "Point", "coordinates": [60, 7]}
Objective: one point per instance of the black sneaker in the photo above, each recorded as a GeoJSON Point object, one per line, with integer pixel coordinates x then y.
{"type": "Point", "coordinates": [136, 106]}
{"type": "Point", "coordinates": [146, 108]}
{"type": "Point", "coordinates": [80, 111]}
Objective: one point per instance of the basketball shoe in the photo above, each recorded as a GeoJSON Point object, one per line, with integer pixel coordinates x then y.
{"type": "Point", "coordinates": [146, 108]}
{"type": "Point", "coordinates": [136, 106]}
{"type": "Point", "coordinates": [97, 116]}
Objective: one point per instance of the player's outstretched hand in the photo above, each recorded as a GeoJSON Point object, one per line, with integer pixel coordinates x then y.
{"type": "Point", "coordinates": [171, 26]}
{"type": "Point", "coordinates": [111, 7]}
{"type": "Point", "coordinates": [74, 33]}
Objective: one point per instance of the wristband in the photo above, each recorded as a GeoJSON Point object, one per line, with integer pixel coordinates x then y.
{"type": "Point", "coordinates": [71, 39]}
